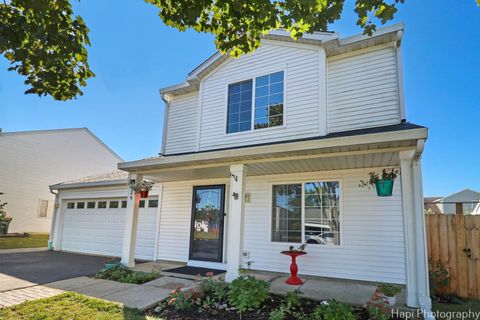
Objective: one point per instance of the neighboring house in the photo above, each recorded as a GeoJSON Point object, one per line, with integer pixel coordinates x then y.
{"type": "Point", "coordinates": [468, 199]}
{"type": "Point", "coordinates": [432, 205]}
{"type": "Point", "coordinates": [31, 160]}
{"type": "Point", "coordinates": [267, 151]}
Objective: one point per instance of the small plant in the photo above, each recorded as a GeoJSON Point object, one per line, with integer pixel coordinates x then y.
{"type": "Point", "coordinates": [144, 185]}
{"type": "Point", "coordinates": [389, 290]}
{"type": "Point", "coordinates": [439, 280]}
{"type": "Point", "coordinates": [214, 290]}
{"type": "Point", "coordinates": [122, 274]}
{"type": "Point", "coordinates": [3, 212]}
{"type": "Point", "coordinates": [333, 310]}
{"type": "Point", "coordinates": [179, 300]}
{"type": "Point", "coordinates": [247, 293]}
{"type": "Point", "coordinates": [374, 177]}
{"type": "Point", "coordinates": [289, 304]}
{"type": "Point", "coordinates": [377, 307]}
{"type": "Point", "coordinates": [301, 248]}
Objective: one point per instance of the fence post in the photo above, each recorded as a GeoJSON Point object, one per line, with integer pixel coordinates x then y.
{"type": "Point", "coordinates": [459, 208]}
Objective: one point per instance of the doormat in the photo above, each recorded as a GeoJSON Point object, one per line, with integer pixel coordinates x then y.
{"type": "Point", "coordinates": [193, 271]}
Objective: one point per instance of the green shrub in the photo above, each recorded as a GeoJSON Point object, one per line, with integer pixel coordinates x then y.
{"type": "Point", "coordinates": [278, 314]}
{"type": "Point", "coordinates": [439, 280]}
{"type": "Point", "coordinates": [378, 313]}
{"type": "Point", "coordinates": [122, 274]}
{"type": "Point", "coordinates": [288, 305]}
{"type": "Point", "coordinates": [247, 293]}
{"type": "Point", "coordinates": [179, 301]}
{"type": "Point", "coordinates": [215, 290]}
{"type": "Point", "coordinates": [333, 310]}
{"type": "Point", "coordinates": [389, 290]}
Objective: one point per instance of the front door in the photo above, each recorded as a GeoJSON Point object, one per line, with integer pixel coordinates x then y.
{"type": "Point", "coordinates": [206, 236]}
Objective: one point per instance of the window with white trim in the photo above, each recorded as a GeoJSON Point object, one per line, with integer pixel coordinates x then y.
{"type": "Point", "coordinates": [306, 212]}
{"type": "Point", "coordinates": [268, 109]}
{"type": "Point", "coordinates": [43, 208]}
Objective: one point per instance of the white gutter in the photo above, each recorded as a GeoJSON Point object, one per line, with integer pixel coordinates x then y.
{"type": "Point", "coordinates": [54, 218]}
{"type": "Point", "coordinates": [90, 184]}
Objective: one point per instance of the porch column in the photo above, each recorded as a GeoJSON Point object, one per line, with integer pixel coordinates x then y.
{"type": "Point", "coordinates": [235, 220]}
{"type": "Point", "coordinates": [414, 223]}
{"type": "Point", "coordinates": [130, 224]}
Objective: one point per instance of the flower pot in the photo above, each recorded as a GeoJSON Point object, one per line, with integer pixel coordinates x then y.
{"type": "Point", "coordinates": [144, 194]}
{"type": "Point", "coordinates": [4, 223]}
{"type": "Point", "coordinates": [384, 187]}
{"type": "Point", "coordinates": [390, 300]}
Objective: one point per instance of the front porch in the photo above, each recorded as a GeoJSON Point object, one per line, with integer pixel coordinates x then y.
{"type": "Point", "coordinates": [352, 292]}
{"type": "Point", "coordinates": [372, 239]}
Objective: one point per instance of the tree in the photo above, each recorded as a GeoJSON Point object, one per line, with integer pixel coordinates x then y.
{"type": "Point", "coordinates": [45, 42]}
{"type": "Point", "coordinates": [238, 25]}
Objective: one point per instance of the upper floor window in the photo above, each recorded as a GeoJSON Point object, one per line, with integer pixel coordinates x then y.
{"type": "Point", "coordinates": [269, 100]}
{"type": "Point", "coordinates": [239, 107]}
{"type": "Point", "coordinates": [267, 110]}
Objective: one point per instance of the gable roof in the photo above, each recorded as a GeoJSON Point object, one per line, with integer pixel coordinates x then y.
{"type": "Point", "coordinates": [59, 131]}
{"type": "Point", "coordinates": [331, 41]}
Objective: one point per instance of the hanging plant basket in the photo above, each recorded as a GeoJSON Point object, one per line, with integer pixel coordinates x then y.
{"type": "Point", "coordinates": [383, 182]}
{"type": "Point", "coordinates": [384, 187]}
{"type": "Point", "coordinates": [144, 194]}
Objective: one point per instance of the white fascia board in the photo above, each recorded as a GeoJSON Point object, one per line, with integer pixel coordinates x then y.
{"type": "Point", "coordinates": [412, 134]}
{"type": "Point", "coordinates": [90, 184]}
{"type": "Point", "coordinates": [378, 33]}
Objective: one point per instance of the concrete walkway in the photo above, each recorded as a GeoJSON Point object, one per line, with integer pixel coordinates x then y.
{"type": "Point", "coordinates": [134, 296]}
{"type": "Point", "coordinates": [13, 297]}
{"type": "Point", "coordinates": [319, 288]}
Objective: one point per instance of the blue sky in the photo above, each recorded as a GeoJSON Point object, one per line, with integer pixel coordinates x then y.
{"type": "Point", "coordinates": [134, 54]}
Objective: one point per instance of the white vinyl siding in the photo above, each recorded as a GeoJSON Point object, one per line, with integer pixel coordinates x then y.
{"type": "Point", "coordinates": [175, 219]}
{"type": "Point", "coordinates": [182, 124]}
{"type": "Point", "coordinates": [372, 241]}
{"type": "Point", "coordinates": [363, 90]}
{"type": "Point", "coordinates": [31, 161]}
{"type": "Point", "coordinates": [372, 247]}
{"type": "Point", "coordinates": [301, 104]}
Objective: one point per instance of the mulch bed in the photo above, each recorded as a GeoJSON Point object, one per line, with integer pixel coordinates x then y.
{"type": "Point", "coordinates": [307, 306]}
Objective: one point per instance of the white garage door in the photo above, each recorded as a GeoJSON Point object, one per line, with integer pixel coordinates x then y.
{"type": "Point", "coordinates": [96, 226]}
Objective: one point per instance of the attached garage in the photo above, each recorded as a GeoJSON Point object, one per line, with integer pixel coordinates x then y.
{"type": "Point", "coordinates": [91, 220]}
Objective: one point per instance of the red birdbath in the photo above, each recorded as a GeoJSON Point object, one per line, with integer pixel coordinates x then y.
{"type": "Point", "coordinates": [294, 280]}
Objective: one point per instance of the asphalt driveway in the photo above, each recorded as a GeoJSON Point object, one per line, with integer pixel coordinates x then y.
{"type": "Point", "coordinates": [24, 269]}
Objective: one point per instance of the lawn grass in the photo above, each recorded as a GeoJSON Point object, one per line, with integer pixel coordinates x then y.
{"type": "Point", "coordinates": [458, 306]}
{"type": "Point", "coordinates": [32, 241]}
{"type": "Point", "coordinates": [70, 305]}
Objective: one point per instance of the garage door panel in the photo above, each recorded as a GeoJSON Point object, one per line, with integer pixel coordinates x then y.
{"type": "Point", "coordinates": [100, 230]}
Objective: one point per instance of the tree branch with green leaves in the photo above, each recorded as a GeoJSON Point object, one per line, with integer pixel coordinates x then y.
{"type": "Point", "coordinates": [46, 43]}
{"type": "Point", "coordinates": [238, 25]}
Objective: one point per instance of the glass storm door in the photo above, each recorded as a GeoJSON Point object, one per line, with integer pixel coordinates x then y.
{"type": "Point", "coordinates": [206, 236]}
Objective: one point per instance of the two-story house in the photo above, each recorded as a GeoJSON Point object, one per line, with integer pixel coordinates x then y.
{"type": "Point", "coordinates": [267, 151]}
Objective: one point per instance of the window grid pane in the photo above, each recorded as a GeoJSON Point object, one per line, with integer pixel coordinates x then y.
{"type": "Point", "coordinates": [287, 213]}
{"type": "Point", "coordinates": [239, 115]}
{"type": "Point", "coordinates": [322, 225]}
{"type": "Point", "coordinates": [269, 100]}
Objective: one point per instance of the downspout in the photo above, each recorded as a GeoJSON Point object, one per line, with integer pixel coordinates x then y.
{"type": "Point", "coordinates": [54, 219]}
{"type": "Point", "coordinates": [164, 134]}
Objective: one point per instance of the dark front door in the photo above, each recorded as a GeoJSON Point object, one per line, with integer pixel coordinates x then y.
{"type": "Point", "coordinates": [206, 236]}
